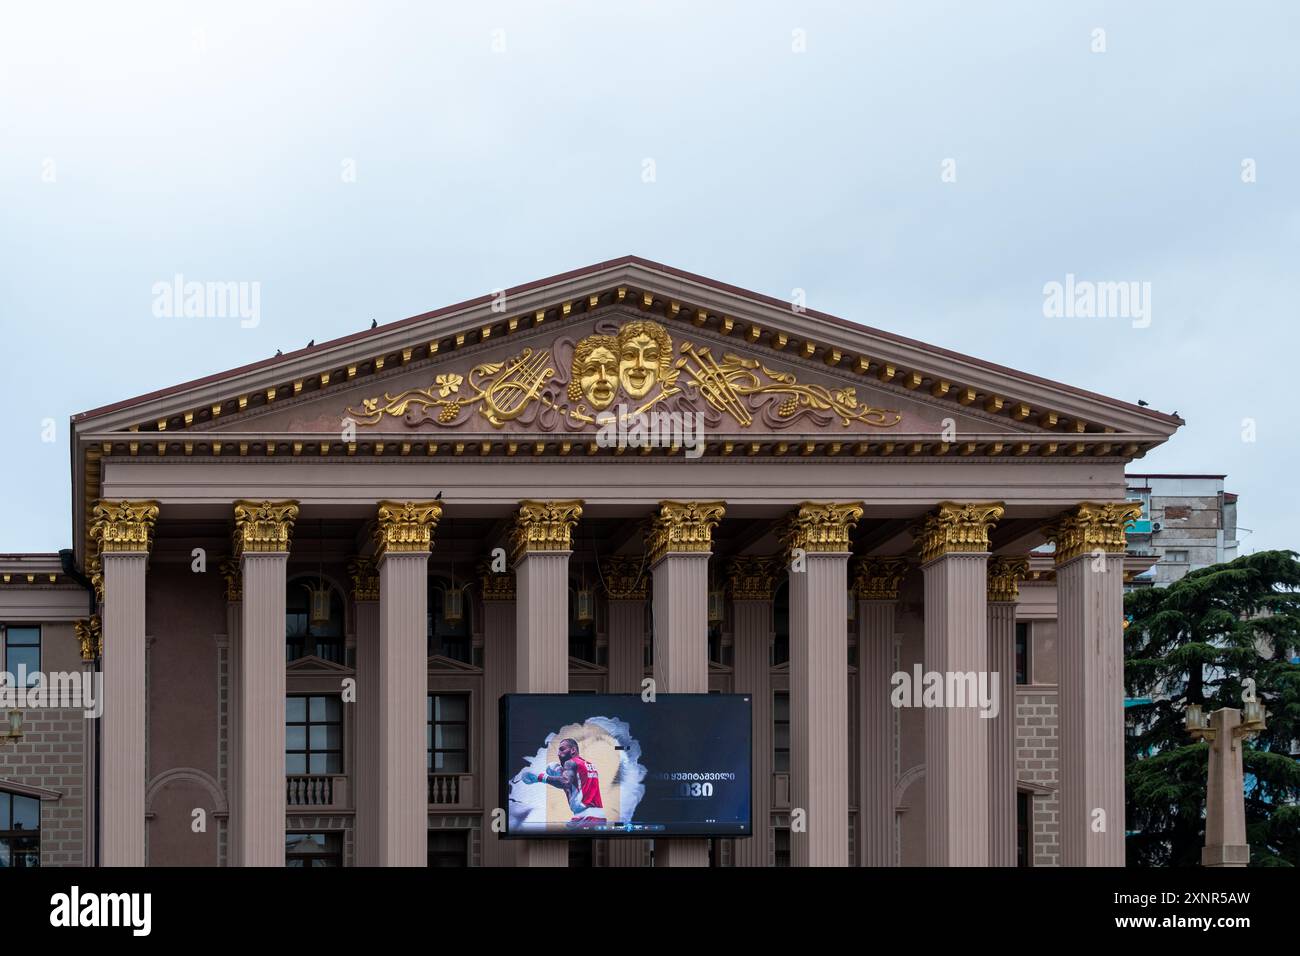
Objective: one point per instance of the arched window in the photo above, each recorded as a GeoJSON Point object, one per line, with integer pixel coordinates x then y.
{"type": "Point", "coordinates": [582, 621]}
{"type": "Point", "coordinates": [449, 628]}
{"type": "Point", "coordinates": [302, 637]}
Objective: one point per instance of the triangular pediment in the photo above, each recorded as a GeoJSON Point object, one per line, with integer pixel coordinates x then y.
{"type": "Point", "coordinates": [438, 662]}
{"type": "Point", "coordinates": [311, 664]}
{"type": "Point", "coordinates": [584, 667]}
{"type": "Point", "coordinates": [539, 369]}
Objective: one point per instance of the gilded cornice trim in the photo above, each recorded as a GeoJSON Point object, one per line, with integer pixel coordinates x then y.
{"type": "Point", "coordinates": [624, 578]}
{"type": "Point", "coordinates": [683, 527]}
{"type": "Point", "coordinates": [123, 526]}
{"type": "Point", "coordinates": [821, 526]}
{"type": "Point", "coordinates": [405, 527]}
{"type": "Point", "coordinates": [878, 579]}
{"type": "Point", "coordinates": [264, 527]}
{"type": "Point", "coordinates": [753, 578]}
{"type": "Point", "coordinates": [365, 578]}
{"type": "Point", "coordinates": [1092, 526]}
{"type": "Point", "coordinates": [90, 635]}
{"type": "Point", "coordinates": [496, 586]}
{"type": "Point", "coordinates": [543, 526]}
{"type": "Point", "coordinates": [958, 527]}
{"type": "Point", "coordinates": [1004, 577]}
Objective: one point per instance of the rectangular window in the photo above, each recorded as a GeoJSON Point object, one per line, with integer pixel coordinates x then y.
{"type": "Point", "coordinates": [313, 735]}
{"type": "Point", "coordinates": [782, 835]}
{"type": "Point", "coordinates": [449, 848]}
{"type": "Point", "coordinates": [780, 732]}
{"type": "Point", "coordinates": [1024, 830]}
{"type": "Point", "coordinates": [1175, 556]}
{"type": "Point", "coordinates": [313, 849]}
{"type": "Point", "coordinates": [20, 831]}
{"type": "Point", "coordinates": [1022, 652]}
{"type": "Point", "coordinates": [447, 734]}
{"type": "Point", "coordinates": [22, 646]}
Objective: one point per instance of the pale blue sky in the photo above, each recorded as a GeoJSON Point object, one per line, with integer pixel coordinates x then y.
{"type": "Point", "coordinates": [209, 140]}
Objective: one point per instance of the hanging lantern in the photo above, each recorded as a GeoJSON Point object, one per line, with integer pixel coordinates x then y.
{"type": "Point", "coordinates": [853, 606]}
{"type": "Point", "coordinates": [716, 613]}
{"type": "Point", "coordinates": [584, 606]}
{"type": "Point", "coordinates": [453, 605]}
{"type": "Point", "coordinates": [319, 604]}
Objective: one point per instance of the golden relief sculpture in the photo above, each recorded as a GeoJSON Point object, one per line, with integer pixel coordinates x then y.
{"type": "Point", "coordinates": [617, 372]}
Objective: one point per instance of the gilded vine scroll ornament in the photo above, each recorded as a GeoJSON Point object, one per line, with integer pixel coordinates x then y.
{"type": "Point", "coordinates": [616, 375]}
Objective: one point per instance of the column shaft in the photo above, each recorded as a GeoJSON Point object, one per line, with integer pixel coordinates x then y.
{"type": "Point", "coordinates": [122, 765]}
{"type": "Point", "coordinates": [499, 622]}
{"type": "Point", "coordinates": [403, 693]}
{"type": "Point", "coordinates": [1002, 734]}
{"type": "Point", "coordinates": [367, 788]}
{"type": "Point", "coordinates": [626, 625]}
{"type": "Point", "coordinates": [956, 737]}
{"type": "Point", "coordinates": [262, 693]}
{"type": "Point", "coordinates": [876, 732]}
{"type": "Point", "coordinates": [752, 634]}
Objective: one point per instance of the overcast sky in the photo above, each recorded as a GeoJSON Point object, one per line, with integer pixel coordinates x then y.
{"type": "Point", "coordinates": [924, 168]}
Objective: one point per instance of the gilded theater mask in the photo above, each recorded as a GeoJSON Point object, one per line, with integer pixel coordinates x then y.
{"type": "Point", "coordinates": [644, 352]}
{"type": "Point", "coordinates": [595, 371]}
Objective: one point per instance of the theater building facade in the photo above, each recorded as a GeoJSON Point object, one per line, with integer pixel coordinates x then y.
{"type": "Point", "coordinates": [307, 582]}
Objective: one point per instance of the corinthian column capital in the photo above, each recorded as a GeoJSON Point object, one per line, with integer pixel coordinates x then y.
{"type": "Point", "coordinates": [753, 578]}
{"type": "Point", "coordinates": [118, 526]}
{"type": "Point", "coordinates": [683, 526]}
{"type": "Point", "coordinates": [405, 527]}
{"type": "Point", "coordinates": [1004, 577]}
{"type": "Point", "coordinates": [820, 526]}
{"type": "Point", "coordinates": [263, 526]}
{"type": "Point", "coordinates": [544, 526]}
{"type": "Point", "coordinates": [957, 527]}
{"type": "Point", "coordinates": [1092, 526]}
{"type": "Point", "coordinates": [878, 579]}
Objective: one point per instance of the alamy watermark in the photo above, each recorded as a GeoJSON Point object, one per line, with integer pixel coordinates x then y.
{"type": "Point", "coordinates": [921, 688]}
{"type": "Point", "coordinates": [1085, 299]}
{"type": "Point", "coordinates": [628, 429]}
{"type": "Point", "coordinates": [83, 690]}
{"type": "Point", "coordinates": [191, 299]}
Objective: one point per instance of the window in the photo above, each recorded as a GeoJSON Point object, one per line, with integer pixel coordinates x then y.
{"type": "Point", "coordinates": [313, 735]}
{"type": "Point", "coordinates": [448, 848]}
{"type": "Point", "coordinates": [22, 646]}
{"type": "Point", "coordinates": [1175, 556]}
{"type": "Point", "coordinates": [1024, 833]}
{"type": "Point", "coordinates": [20, 831]}
{"type": "Point", "coordinates": [780, 732]}
{"type": "Point", "coordinates": [449, 638]}
{"type": "Point", "coordinates": [582, 634]}
{"type": "Point", "coordinates": [303, 638]}
{"type": "Point", "coordinates": [313, 849]}
{"type": "Point", "coordinates": [447, 735]}
{"type": "Point", "coordinates": [1022, 652]}
{"type": "Point", "coordinates": [782, 835]}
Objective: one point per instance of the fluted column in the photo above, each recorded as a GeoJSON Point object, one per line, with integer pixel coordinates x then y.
{"type": "Point", "coordinates": [234, 579]}
{"type": "Point", "coordinates": [625, 584]}
{"type": "Point", "coordinates": [954, 554]}
{"type": "Point", "coordinates": [1090, 546]}
{"type": "Point", "coordinates": [819, 694]}
{"type": "Point", "coordinates": [262, 534]}
{"type": "Point", "coordinates": [499, 617]}
{"type": "Point", "coordinates": [678, 544]}
{"type": "Point", "coordinates": [540, 546]}
{"type": "Point", "coordinates": [1004, 575]}
{"type": "Point", "coordinates": [123, 533]}
{"type": "Point", "coordinates": [876, 583]}
{"type": "Point", "coordinates": [751, 582]}
{"type": "Point", "coordinates": [403, 538]}
{"type": "Point", "coordinates": [365, 598]}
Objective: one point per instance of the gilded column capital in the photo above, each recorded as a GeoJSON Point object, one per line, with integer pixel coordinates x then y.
{"type": "Point", "coordinates": [405, 527]}
{"type": "Point", "coordinates": [957, 527]}
{"type": "Point", "coordinates": [878, 579]}
{"type": "Point", "coordinates": [365, 578]}
{"type": "Point", "coordinates": [753, 578]}
{"type": "Point", "coordinates": [263, 526]}
{"type": "Point", "coordinates": [624, 578]}
{"type": "Point", "coordinates": [1004, 577]}
{"type": "Point", "coordinates": [228, 568]}
{"type": "Point", "coordinates": [820, 526]}
{"type": "Point", "coordinates": [90, 635]}
{"type": "Point", "coordinates": [123, 526]}
{"type": "Point", "coordinates": [496, 585]}
{"type": "Point", "coordinates": [95, 572]}
{"type": "Point", "coordinates": [543, 526]}
{"type": "Point", "coordinates": [683, 527]}
{"type": "Point", "coordinates": [1092, 526]}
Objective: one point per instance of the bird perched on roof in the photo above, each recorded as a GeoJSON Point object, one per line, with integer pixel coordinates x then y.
{"type": "Point", "coordinates": [373, 323]}
{"type": "Point", "coordinates": [278, 353]}
{"type": "Point", "coordinates": [311, 343]}
{"type": "Point", "coordinates": [438, 496]}
{"type": "Point", "coordinates": [1142, 403]}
